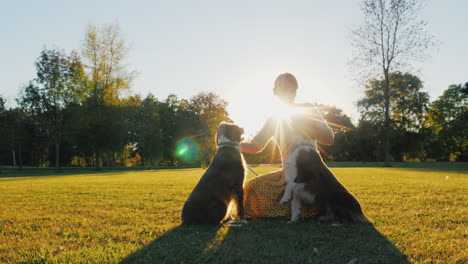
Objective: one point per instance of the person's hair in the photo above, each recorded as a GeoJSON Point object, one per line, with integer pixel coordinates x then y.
{"type": "Point", "coordinates": [285, 81]}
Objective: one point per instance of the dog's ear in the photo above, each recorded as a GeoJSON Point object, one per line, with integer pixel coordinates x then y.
{"type": "Point", "coordinates": [241, 132]}
{"type": "Point", "coordinates": [221, 131]}
{"type": "Point", "coordinates": [221, 128]}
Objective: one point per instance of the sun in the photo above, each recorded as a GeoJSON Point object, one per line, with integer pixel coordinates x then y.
{"type": "Point", "coordinates": [251, 112]}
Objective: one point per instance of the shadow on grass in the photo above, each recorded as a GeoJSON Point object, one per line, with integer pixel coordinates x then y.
{"type": "Point", "coordinates": [270, 241]}
{"type": "Point", "coordinates": [183, 244]}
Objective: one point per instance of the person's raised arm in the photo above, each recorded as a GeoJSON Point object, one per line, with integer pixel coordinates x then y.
{"type": "Point", "coordinates": [322, 131]}
{"type": "Point", "coordinates": [324, 134]}
{"type": "Point", "coordinates": [249, 148]}
{"type": "Point", "coordinates": [260, 140]}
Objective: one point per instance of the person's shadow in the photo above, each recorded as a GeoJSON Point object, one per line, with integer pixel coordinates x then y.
{"type": "Point", "coordinates": [270, 241]}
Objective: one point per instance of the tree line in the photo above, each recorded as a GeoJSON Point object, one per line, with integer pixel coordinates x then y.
{"type": "Point", "coordinates": [74, 113]}
{"type": "Point", "coordinates": [420, 130]}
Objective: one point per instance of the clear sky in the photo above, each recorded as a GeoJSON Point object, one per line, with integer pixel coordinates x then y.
{"type": "Point", "coordinates": [234, 48]}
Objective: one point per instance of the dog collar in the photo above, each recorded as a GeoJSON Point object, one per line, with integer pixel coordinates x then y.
{"type": "Point", "coordinates": [228, 144]}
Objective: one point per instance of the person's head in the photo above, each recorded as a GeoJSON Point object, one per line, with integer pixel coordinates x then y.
{"type": "Point", "coordinates": [285, 87]}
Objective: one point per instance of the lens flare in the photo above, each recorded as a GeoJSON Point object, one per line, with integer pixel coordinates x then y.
{"type": "Point", "coordinates": [187, 150]}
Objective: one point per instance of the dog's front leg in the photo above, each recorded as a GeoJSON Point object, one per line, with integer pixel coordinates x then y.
{"type": "Point", "coordinates": [239, 197]}
{"type": "Point", "coordinates": [288, 192]}
{"type": "Point", "coordinates": [296, 203]}
{"type": "Point", "coordinates": [295, 209]}
{"type": "Point", "coordinates": [240, 207]}
{"type": "Point", "coordinates": [290, 173]}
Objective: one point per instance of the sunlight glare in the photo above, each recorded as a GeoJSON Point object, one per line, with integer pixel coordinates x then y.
{"type": "Point", "coordinates": [187, 150]}
{"type": "Point", "coordinates": [217, 240]}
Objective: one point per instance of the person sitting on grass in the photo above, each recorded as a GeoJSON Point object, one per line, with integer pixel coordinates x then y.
{"type": "Point", "coordinates": [262, 194]}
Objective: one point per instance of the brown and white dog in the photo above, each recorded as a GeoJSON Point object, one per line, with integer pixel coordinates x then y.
{"type": "Point", "coordinates": [221, 184]}
{"type": "Point", "coordinates": [318, 186]}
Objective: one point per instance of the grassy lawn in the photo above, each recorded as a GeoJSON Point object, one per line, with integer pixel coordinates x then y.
{"type": "Point", "coordinates": [419, 214]}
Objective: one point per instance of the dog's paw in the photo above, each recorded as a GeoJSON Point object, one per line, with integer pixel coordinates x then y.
{"type": "Point", "coordinates": [284, 201]}
{"type": "Point", "coordinates": [294, 219]}
{"type": "Point", "coordinates": [236, 223]}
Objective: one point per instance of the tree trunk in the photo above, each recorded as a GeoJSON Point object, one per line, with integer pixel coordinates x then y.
{"type": "Point", "coordinates": [20, 157]}
{"type": "Point", "coordinates": [110, 159]}
{"type": "Point", "coordinates": [36, 158]}
{"type": "Point", "coordinates": [98, 167]}
{"type": "Point", "coordinates": [57, 155]}
{"type": "Point", "coordinates": [13, 154]}
{"type": "Point", "coordinates": [387, 161]}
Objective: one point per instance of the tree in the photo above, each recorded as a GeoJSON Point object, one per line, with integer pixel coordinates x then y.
{"type": "Point", "coordinates": [408, 104]}
{"type": "Point", "coordinates": [342, 126]}
{"type": "Point", "coordinates": [447, 122]}
{"type": "Point", "coordinates": [211, 110]}
{"type": "Point", "coordinates": [2, 105]}
{"type": "Point", "coordinates": [407, 108]}
{"type": "Point", "coordinates": [104, 51]}
{"type": "Point", "coordinates": [59, 82]}
{"type": "Point", "coordinates": [167, 112]}
{"type": "Point", "coordinates": [336, 118]}
{"type": "Point", "coordinates": [13, 133]}
{"type": "Point", "coordinates": [390, 36]}
{"type": "Point", "coordinates": [359, 144]}
{"type": "Point", "coordinates": [147, 130]}
{"type": "Point", "coordinates": [3, 127]}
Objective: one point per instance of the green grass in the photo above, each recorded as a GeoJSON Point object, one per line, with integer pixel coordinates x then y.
{"type": "Point", "coordinates": [418, 214]}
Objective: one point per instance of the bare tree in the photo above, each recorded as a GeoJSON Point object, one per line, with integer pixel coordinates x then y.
{"type": "Point", "coordinates": [390, 36]}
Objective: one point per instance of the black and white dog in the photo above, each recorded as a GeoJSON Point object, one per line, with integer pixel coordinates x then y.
{"type": "Point", "coordinates": [321, 188]}
{"type": "Point", "coordinates": [221, 184]}
{"type": "Point", "coordinates": [295, 191]}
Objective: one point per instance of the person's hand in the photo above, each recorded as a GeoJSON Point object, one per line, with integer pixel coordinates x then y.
{"type": "Point", "coordinates": [249, 148]}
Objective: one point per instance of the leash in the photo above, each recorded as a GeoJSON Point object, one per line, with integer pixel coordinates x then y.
{"type": "Point", "coordinates": [256, 175]}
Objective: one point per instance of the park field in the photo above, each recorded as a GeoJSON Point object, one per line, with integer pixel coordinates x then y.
{"type": "Point", "coordinates": [418, 214]}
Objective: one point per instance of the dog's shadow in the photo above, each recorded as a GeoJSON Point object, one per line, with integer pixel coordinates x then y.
{"type": "Point", "coordinates": [270, 241]}
{"type": "Point", "coordinates": [178, 244]}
